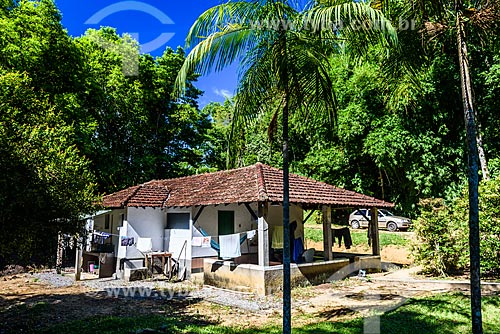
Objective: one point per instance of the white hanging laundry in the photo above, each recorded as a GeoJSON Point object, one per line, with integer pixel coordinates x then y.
{"type": "Point", "coordinates": [196, 242]}
{"type": "Point", "coordinates": [205, 242]}
{"type": "Point", "coordinates": [229, 246]}
{"type": "Point", "coordinates": [251, 234]}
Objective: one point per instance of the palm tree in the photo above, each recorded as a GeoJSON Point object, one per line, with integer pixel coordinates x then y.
{"type": "Point", "coordinates": [462, 17]}
{"type": "Point", "coordinates": [282, 49]}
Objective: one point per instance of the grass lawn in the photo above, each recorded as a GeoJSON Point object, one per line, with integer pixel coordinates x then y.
{"type": "Point", "coordinates": [359, 237]}
{"type": "Point", "coordinates": [439, 314]}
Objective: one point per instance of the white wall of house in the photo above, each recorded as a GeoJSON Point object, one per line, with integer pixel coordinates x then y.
{"type": "Point", "coordinates": [145, 223]}
{"type": "Point", "coordinates": [178, 240]}
{"type": "Point", "coordinates": [152, 223]}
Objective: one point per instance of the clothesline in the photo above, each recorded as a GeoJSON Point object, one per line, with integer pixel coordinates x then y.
{"type": "Point", "coordinates": [243, 232]}
{"type": "Point", "coordinates": [104, 234]}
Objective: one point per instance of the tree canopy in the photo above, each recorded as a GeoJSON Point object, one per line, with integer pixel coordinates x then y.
{"type": "Point", "coordinates": [81, 117]}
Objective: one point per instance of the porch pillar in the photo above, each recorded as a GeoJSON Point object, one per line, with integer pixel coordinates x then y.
{"type": "Point", "coordinates": [327, 232]}
{"type": "Point", "coordinates": [263, 230]}
{"type": "Point", "coordinates": [374, 231]}
{"type": "Point", "coordinates": [78, 259]}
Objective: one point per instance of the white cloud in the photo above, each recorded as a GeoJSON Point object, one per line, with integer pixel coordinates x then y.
{"type": "Point", "coordinates": [223, 93]}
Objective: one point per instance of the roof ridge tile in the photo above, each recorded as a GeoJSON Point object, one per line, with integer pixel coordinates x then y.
{"type": "Point", "coordinates": [261, 182]}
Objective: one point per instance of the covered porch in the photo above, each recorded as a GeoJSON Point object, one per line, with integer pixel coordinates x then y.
{"type": "Point", "coordinates": [262, 272]}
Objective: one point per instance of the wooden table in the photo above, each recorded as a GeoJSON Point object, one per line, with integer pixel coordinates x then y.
{"type": "Point", "coordinates": [166, 259]}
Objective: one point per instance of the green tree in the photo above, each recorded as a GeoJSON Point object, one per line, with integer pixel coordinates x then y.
{"type": "Point", "coordinates": [280, 62]}
{"type": "Point", "coordinates": [464, 18]}
{"type": "Point", "coordinates": [83, 110]}
{"type": "Point", "coordinates": [131, 126]}
{"type": "Point", "coordinates": [441, 231]}
{"type": "Point", "coordinates": [33, 40]}
{"type": "Point", "coordinates": [45, 183]}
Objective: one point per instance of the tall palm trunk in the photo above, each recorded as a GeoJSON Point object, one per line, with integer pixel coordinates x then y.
{"type": "Point", "coordinates": [287, 300]}
{"type": "Point", "coordinates": [475, 280]}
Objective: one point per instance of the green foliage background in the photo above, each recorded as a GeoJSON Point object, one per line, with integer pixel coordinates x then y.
{"type": "Point", "coordinates": [442, 232]}
{"type": "Point", "coordinates": [81, 117]}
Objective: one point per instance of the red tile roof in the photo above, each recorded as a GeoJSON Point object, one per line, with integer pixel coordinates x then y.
{"type": "Point", "coordinates": [254, 183]}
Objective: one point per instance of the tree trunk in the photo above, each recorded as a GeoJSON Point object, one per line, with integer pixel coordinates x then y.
{"type": "Point", "coordinates": [287, 300]}
{"type": "Point", "coordinates": [60, 251]}
{"type": "Point", "coordinates": [482, 155]}
{"type": "Point", "coordinates": [475, 280]}
{"type": "Point", "coordinates": [381, 182]}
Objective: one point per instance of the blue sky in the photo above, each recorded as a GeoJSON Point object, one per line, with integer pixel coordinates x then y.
{"type": "Point", "coordinates": [155, 23]}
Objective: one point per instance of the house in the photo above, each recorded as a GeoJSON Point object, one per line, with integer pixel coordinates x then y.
{"type": "Point", "coordinates": [173, 215]}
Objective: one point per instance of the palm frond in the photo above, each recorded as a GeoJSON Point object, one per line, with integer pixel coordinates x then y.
{"type": "Point", "coordinates": [282, 62]}
{"type": "Point", "coordinates": [487, 18]}
{"type": "Point", "coordinates": [215, 19]}
{"type": "Point", "coordinates": [217, 51]}
{"type": "Point", "coordinates": [355, 22]}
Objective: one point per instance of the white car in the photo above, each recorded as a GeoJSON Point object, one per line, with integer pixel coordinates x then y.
{"type": "Point", "coordinates": [386, 219]}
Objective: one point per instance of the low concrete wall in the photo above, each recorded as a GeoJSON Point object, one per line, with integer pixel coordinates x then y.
{"type": "Point", "coordinates": [241, 277]}
{"type": "Point", "coordinates": [302, 274]}
{"type": "Point", "coordinates": [372, 263]}
{"type": "Point", "coordinates": [267, 280]}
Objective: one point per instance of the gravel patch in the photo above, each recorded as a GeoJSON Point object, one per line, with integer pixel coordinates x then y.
{"type": "Point", "coordinates": [240, 300]}
{"type": "Point", "coordinates": [54, 279]}
{"type": "Point", "coordinates": [161, 289]}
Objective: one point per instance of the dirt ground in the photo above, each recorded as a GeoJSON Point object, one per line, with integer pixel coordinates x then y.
{"type": "Point", "coordinates": [391, 253]}
{"type": "Point", "coordinates": [27, 305]}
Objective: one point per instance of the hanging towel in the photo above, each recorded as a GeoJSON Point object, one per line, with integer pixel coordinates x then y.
{"type": "Point", "coordinates": [277, 237]}
{"type": "Point", "coordinates": [100, 237]}
{"type": "Point", "coordinates": [196, 242]}
{"type": "Point", "coordinates": [229, 246]}
{"type": "Point", "coordinates": [251, 234]}
{"type": "Point", "coordinates": [206, 241]}
{"type": "Point", "coordinates": [127, 241]}
{"type": "Point", "coordinates": [347, 238]}
{"type": "Point", "coordinates": [298, 250]}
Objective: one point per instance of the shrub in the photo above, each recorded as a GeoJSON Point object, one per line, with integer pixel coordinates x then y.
{"type": "Point", "coordinates": [441, 240]}
{"type": "Point", "coordinates": [442, 232]}
{"type": "Point", "coordinates": [489, 223]}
